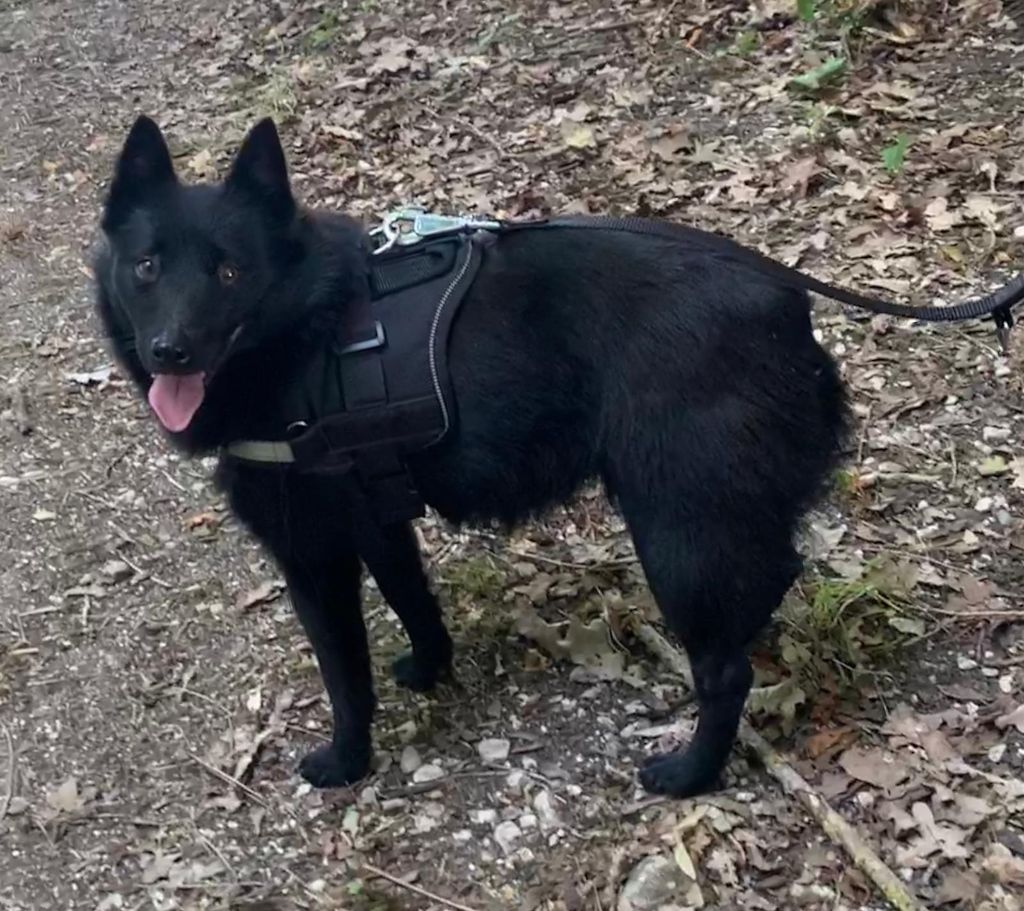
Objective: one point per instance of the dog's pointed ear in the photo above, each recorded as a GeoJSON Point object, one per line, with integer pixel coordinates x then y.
{"type": "Point", "coordinates": [260, 171]}
{"type": "Point", "coordinates": [143, 165]}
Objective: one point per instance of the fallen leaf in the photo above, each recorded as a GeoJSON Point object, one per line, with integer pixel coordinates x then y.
{"type": "Point", "coordinates": [158, 866]}
{"type": "Point", "coordinates": [65, 797]}
{"type": "Point", "coordinates": [201, 164]}
{"type": "Point", "coordinates": [1015, 718]}
{"type": "Point", "coordinates": [578, 135]}
{"type": "Point", "coordinates": [875, 767]}
{"type": "Point", "coordinates": [670, 145]}
{"type": "Point", "coordinates": [265, 592]}
{"type": "Point", "coordinates": [93, 377]}
{"type": "Point", "coordinates": [823, 741]}
{"type": "Point", "coordinates": [992, 466]}
{"type": "Point", "coordinates": [1004, 866]}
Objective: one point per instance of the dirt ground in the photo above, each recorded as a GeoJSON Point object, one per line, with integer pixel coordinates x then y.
{"type": "Point", "coordinates": [156, 692]}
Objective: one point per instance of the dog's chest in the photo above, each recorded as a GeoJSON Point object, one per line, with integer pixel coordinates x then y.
{"type": "Point", "coordinates": [381, 390]}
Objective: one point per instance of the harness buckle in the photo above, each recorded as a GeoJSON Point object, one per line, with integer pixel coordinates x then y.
{"type": "Point", "coordinates": [376, 341]}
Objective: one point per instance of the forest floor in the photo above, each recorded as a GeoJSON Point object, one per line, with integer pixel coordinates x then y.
{"type": "Point", "coordinates": [155, 690]}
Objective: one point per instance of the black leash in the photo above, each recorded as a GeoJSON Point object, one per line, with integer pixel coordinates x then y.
{"type": "Point", "coordinates": [997, 305]}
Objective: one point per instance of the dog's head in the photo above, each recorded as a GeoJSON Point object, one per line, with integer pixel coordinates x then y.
{"type": "Point", "coordinates": [189, 267]}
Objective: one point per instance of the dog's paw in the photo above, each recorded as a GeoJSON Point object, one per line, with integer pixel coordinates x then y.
{"type": "Point", "coordinates": [420, 675]}
{"type": "Point", "coordinates": [677, 775]}
{"type": "Point", "coordinates": [326, 767]}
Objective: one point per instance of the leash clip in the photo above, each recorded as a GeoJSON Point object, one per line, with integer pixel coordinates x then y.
{"type": "Point", "coordinates": [412, 225]}
{"type": "Point", "coordinates": [1003, 318]}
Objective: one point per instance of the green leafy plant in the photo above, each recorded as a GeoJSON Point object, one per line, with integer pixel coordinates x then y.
{"type": "Point", "coordinates": [747, 42]}
{"type": "Point", "coordinates": [894, 155]}
{"type": "Point", "coordinates": [841, 629]}
{"type": "Point", "coordinates": [325, 32]}
{"type": "Point", "coordinates": [823, 75]}
{"type": "Point", "coordinates": [807, 9]}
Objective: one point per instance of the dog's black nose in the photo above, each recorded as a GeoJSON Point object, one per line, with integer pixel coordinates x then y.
{"type": "Point", "coordinates": [170, 354]}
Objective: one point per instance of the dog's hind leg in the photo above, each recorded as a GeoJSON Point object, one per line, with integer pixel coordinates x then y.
{"type": "Point", "coordinates": [326, 599]}
{"type": "Point", "coordinates": [716, 588]}
{"type": "Point", "coordinates": [393, 559]}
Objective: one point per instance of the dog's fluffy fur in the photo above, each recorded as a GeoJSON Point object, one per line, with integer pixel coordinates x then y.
{"type": "Point", "coordinates": [689, 384]}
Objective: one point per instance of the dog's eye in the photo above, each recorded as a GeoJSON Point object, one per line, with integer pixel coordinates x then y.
{"type": "Point", "coordinates": [227, 273]}
{"type": "Point", "coordinates": [147, 269]}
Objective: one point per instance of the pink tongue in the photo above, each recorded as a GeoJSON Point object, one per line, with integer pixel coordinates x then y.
{"type": "Point", "coordinates": [175, 399]}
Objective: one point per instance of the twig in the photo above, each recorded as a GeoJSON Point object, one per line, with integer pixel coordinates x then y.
{"type": "Point", "coordinates": [977, 614]}
{"type": "Point", "coordinates": [11, 766]}
{"type": "Point", "coordinates": [468, 125]}
{"type": "Point", "coordinates": [663, 649]}
{"type": "Point", "coordinates": [424, 893]}
{"type": "Point", "coordinates": [228, 779]}
{"type": "Point", "coordinates": [1004, 662]}
{"type": "Point", "coordinates": [615, 867]}
{"type": "Point", "coordinates": [834, 825]}
{"type": "Point", "coordinates": [794, 784]}
{"type": "Point", "coordinates": [216, 852]}
{"type": "Point", "coordinates": [20, 410]}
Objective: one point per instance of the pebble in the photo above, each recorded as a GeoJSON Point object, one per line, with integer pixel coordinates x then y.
{"type": "Point", "coordinates": [410, 760]}
{"type": "Point", "coordinates": [652, 885]}
{"type": "Point", "coordinates": [547, 815]}
{"type": "Point", "coordinates": [984, 504]}
{"type": "Point", "coordinates": [428, 772]}
{"type": "Point", "coordinates": [483, 817]}
{"type": "Point", "coordinates": [995, 434]}
{"type": "Point", "coordinates": [117, 570]}
{"type": "Point", "coordinates": [493, 749]}
{"type": "Point", "coordinates": [506, 834]}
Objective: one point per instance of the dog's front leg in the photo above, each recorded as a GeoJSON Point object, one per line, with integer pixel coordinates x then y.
{"type": "Point", "coordinates": [326, 598]}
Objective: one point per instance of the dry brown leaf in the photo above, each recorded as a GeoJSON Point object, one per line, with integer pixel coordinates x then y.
{"type": "Point", "coordinates": [265, 592]}
{"type": "Point", "coordinates": [1014, 718]}
{"type": "Point", "coordinates": [1004, 866]}
{"type": "Point", "coordinates": [874, 766]}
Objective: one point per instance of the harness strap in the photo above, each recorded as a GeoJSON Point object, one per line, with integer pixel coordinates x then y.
{"type": "Point", "coordinates": [997, 304]}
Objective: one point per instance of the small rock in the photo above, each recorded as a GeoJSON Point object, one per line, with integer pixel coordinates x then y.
{"type": "Point", "coordinates": [493, 750]}
{"type": "Point", "coordinates": [984, 504]}
{"type": "Point", "coordinates": [506, 835]}
{"type": "Point", "coordinates": [995, 434]}
{"type": "Point", "coordinates": [117, 570]}
{"type": "Point", "coordinates": [653, 884]}
{"type": "Point", "coordinates": [428, 772]}
{"type": "Point", "coordinates": [528, 821]}
{"type": "Point", "coordinates": [422, 823]}
{"type": "Point", "coordinates": [483, 817]}
{"type": "Point", "coordinates": [410, 760]}
{"type": "Point", "coordinates": [866, 799]}
{"type": "Point", "coordinates": [811, 894]}
{"type": "Point", "coordinates": [515, 779]}
{"type": "Point", "coordinates": [525, 856]}
{"type": "Point", "coordinates": [544, 807]}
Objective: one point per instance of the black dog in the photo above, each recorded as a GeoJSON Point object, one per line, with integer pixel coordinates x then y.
{"type": "Point", "coordinates": [691, 385]}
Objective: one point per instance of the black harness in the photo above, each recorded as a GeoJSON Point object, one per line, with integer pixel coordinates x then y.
{"type": "Point", "coordinates": [383, 390]}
